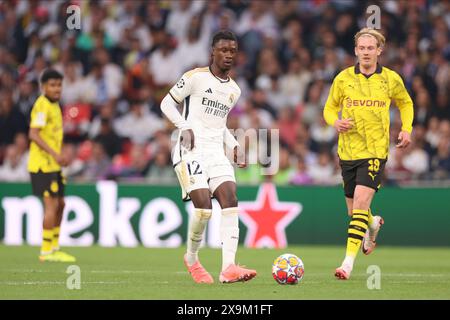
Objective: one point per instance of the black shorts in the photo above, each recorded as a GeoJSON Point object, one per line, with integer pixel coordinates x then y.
{"type": "Point", "coordinates": [365, 172]}
{"type": "Point", "coordinates": [48, 184]}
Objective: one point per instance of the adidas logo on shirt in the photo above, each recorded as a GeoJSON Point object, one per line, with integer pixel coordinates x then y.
{"type": "Point", "coordinates": [209, 90]}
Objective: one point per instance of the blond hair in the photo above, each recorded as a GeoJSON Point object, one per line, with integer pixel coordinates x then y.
{"type": "Point", "coordinates": [371, 32]}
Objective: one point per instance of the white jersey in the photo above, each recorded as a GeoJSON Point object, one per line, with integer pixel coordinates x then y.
{"type": "Point", "coordinates": [207, 101]}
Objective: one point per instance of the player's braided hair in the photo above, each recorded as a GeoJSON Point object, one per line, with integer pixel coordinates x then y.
{"type": "Point", "coordinates": [223, 35]}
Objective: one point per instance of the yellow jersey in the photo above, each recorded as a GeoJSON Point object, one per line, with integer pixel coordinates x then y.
{"type": "Point", "coordinates": [366, 100]}
{"type": "Point", "coordinates": [46, 115]}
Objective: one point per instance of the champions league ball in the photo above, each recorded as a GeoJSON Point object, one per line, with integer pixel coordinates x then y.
{"type": "Point", "coordinates": [288, 269]}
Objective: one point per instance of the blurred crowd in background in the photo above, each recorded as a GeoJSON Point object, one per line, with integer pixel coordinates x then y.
{"type": "Point", "coordinates": [128, 53]}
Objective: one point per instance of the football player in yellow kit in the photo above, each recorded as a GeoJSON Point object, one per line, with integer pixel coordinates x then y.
{"type": "Point", "coordinates": [363, 93]}
{"type": "Point", "coordinates": [45, 161]}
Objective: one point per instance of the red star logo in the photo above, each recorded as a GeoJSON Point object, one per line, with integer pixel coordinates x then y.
{"type": "Point", "coordinates": [266, 218]}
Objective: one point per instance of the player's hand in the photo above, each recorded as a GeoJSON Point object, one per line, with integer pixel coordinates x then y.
{"type": "Point", "coordinates": [404, 139]}
{"type": "Point", "coordinates": [187, 139]}
{"type": "Point", "coordinates": [239, 157]}
{"type": "Point", "coordinates": [343, 125]}
{"type": "Point", "coordinates": [62, 161]}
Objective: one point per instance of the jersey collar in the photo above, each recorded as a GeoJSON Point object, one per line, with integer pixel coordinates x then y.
{"type": "Point", "coordinates": [220, 79]}
{"type": "Point", "coordinates": [379, 69]}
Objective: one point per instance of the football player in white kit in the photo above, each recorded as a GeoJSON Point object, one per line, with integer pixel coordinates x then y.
{"type": "Point", "coordinates": [208, 94]}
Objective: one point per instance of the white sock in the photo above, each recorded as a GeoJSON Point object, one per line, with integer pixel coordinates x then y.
{"type": "Point", "coordinates": [229, 235]}
{"type": "Point", "coordinates": [197, 226]}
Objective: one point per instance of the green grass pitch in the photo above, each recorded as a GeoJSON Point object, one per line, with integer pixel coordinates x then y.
{"type": "Point", "coordinates": [145, 273]}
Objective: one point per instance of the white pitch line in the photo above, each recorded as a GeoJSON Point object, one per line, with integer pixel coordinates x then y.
{"type": "Point", "coordinates": [91, 271]}
{"type": "Point", "coordinates": [17, 283]}
{"type": "Point", "coordinates": [414, 274]}
{"type": "Point", "coordinates": [406, 282]}
{"type": "Point", "coordinates": [27, 271]}
{"type": "Point", "coordinates": [119, 271]}
{"type": "Point", "coordinates": [103, 282]}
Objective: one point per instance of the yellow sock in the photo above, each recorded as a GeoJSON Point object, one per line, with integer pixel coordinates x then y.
{"type": "Point", "coordinates": [356, 231]}
{"type": "Point", "coordinates": [370, 217]}
{"type": "Point", "coordinates": [47, 239]}
{"type": "Point", "coordinates": [55, 241]}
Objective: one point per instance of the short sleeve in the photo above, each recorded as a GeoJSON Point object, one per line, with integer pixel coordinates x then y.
{"type": "Point", "coordinates": [39, 115]}
{"type": "Point", "coordinates": [182, 88]}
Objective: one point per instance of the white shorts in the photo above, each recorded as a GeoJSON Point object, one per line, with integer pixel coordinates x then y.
{"type": "Point", "coordinates": [200, 171]}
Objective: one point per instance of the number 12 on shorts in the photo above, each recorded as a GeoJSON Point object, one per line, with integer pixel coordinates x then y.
{"type": "Point", "coordinates": [194, 168]}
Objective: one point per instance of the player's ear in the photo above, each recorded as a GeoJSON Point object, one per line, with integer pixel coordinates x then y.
{"type": "Point", "coordinates": [379, 51]}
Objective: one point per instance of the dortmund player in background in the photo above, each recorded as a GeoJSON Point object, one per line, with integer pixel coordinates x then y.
{"type": "Point", "coordinates": [45, 161]}
{"type": "Point", "coordinates": [363, 93]}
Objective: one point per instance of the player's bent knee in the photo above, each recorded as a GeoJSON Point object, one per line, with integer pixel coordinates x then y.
{"type": "Point", "coordinates": [227, 199]}
{"type": "Point", "coordinates": [363, 197]}
{"type": "Point", "coordinates": [51, 202]}
{"type": "Point", "coordinates": [231, 202]}
{"type": "Point", "coordinates": [207, 205]}
{"type": "Point", "coordinates": [201, 199]}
